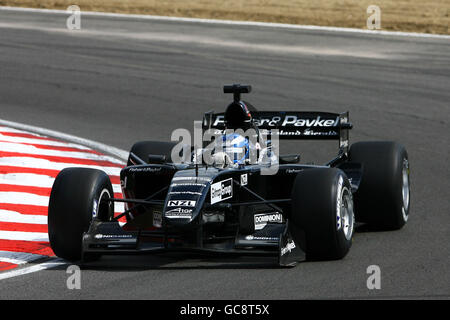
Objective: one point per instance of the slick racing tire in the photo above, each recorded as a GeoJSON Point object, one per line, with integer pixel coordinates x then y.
{"type": "Point", "coordinates": [383, 197]}
{"type": "Point", "coordinates": [322, 207]}
{"type": "Point", "coordinates": [76, 198]}
{"type": "Point", "coordinates": [143, 149]}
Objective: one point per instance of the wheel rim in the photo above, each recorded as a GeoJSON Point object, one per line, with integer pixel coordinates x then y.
{"type": "Point", "coordinates": [103, 207]}
{"type": "Point", "coordinates": [405, 189]}
{"type": "Point", "coordinates": [346, 216]}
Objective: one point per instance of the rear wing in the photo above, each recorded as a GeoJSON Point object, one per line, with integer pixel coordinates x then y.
{"type": "Point", "coordinates": [302, 125]}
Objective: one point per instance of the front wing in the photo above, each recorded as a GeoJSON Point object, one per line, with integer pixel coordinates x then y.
{"type": "Point", "coordinates": [109, 238]}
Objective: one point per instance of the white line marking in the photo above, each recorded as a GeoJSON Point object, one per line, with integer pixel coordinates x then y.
{"type": "Point", "coordinates": [23, 198]}
{"type": "Point", "coordinates": [14, 130]}
{"type": "Point", "coordinates": [119, 207]}
{"type": "Point", "coordinates": [117, 188]}
{"type": "Point", "coordinates": [36, 180]}
{"type": "Point", "coordinates": [16, 217]}
{"type": "Point", "coordinates": [39, 267]}
{"type": "Point", "coordinates": [18, 257]}
{"type": "Point", "coordinates": [27, 179]}
{"type": "Point", "coordinates": [24, 236]}
{"type": "Point", "coordinates": [23, 148]}
{"type": "Point", "coordinates": [30, 162]}
{"type": "Point", "coordinates": [232, 22]}
{"type": "Point", "coordinates": [120, 154]}
{"type": "Point", "coordinates": [50, 143]}
{"type": "Point", "coordinates": [230, 44]}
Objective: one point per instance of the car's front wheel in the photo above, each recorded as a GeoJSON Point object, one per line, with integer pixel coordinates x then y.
{"type": "Point", "coordinates": [322, 209]}
{"type": "Point", "coordinates": [78, 196]}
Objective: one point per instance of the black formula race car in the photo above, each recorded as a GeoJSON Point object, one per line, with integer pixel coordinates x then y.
{"type": "Point", "coordinates": [225, 202]}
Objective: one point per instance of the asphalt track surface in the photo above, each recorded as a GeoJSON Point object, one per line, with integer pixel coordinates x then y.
{"type": "Point", "coordinates": [121, 80]}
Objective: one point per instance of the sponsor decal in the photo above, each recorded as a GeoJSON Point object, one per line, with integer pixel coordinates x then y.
{"type": "Point", "coordinates": [258, 238]}
{"type": "Point", "coordinates": [191, 178]}
{"type": "Point", "coordinates": [306, 132]}
{"type": "Point", "coordinates": [309, 132]}
{"type": "Point", "coordinates": [317, 122]}
{"type": "Point", "coordinates": [288, 248]}
{"type": "Point", "coordinates": [181, 203]}
{"type": "Point", "coordinates": [94, 209]}
{"type": "Point", "coordinates": [221, 190]}
{"type": "Point", "coordinates": [186, 192]}
{"type": "Point", "coordinates": [145, 169]}
{"type": "Point", "coordinates": [339, 203]}
{"type": "Point", "coordinates": [293, 170]}
{"type": "Point", "coordinates": [290, 132]}
{"type": "Point", "coordinates": [179, 213]}
{"type": "Point", "coordinates": [271, 122]}
{"type": "Point", "coordinates": [187, 184]}
{"type": "Point", "coordinates": [292, 120]}
{"type": "Point", "coordinates": [112, 236]}
{"type": "Point", "coordinates": [220, 120]}
{"type": "Point", "coordinates": [261, 220]}
{"type": "Point", "coordinates": [244, 179]}
{"type": "Point", "coordinates": [287, 121]}
{"type": "Point", "coordinates": [157, 219]}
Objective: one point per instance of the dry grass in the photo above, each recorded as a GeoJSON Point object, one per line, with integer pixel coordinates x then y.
{"type": "Point", "coordinates": [399, 15]}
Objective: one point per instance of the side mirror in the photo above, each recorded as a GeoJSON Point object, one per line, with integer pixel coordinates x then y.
{"type": "Point", "coordinates": [156, 159]}
{"type": "Point", "coordinates": [290, 159]}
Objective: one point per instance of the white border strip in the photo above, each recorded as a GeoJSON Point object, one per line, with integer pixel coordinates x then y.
{"type": "Point", "coordinates": [19, 257]}
{"type": "Point", "coordinates": [233, 22]}
{"type": "Point", "coordinates": [119, 153]}
{"type": "Point", "coordinates": [52, 263]}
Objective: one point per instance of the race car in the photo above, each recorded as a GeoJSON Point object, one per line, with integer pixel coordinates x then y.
{"type": "Point", "coordinates": [235, 194]}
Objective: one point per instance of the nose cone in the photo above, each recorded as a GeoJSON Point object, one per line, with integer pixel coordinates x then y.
{"type": "Point", "coordinates": [186, 197]}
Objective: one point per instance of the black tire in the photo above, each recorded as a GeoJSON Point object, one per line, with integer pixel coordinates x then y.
{"type": "Point", "coordinates": [143, 149]}
{"type": "Point", "coordinates": [381, 200]}
{"type": "Point", "coordinates": [316, 196]}
{"type": "Point", "coordinates": [75, 199]}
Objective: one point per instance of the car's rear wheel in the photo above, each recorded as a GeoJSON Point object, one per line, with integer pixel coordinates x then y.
{"type": "Point", "coordinates": [383, 197]}
{"type": "Point", "coordinates": [78, 196]}
{"type": "Point", "coordinates": [322, 208]}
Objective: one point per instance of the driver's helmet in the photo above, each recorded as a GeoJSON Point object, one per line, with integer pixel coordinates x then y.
{"type": "Point", "coordinates": [236, 147]}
